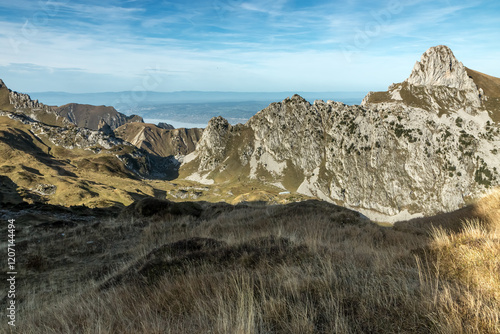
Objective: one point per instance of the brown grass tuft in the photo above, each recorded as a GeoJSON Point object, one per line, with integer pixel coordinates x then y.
{"type": "Point", "coordinates": [306, 267]}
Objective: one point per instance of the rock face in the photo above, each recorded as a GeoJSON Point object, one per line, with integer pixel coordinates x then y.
{"type": "Point", "coordinates": [22, 101]}
{"type": "Point", "coordinates": [213, 143]}
{"type": "Point", "coordinates": [89, 116]}
{"type": "Point", "coordinates": [439, 67]}
{"type": "Point", "coordinates": [81, 115]}
{"type": "Point", "coordinates": [158, 141]}
{"type": "Point", "coordinates": [424, 146]}
{"type": "Point", "coordinates": [438, 83]}
{"type": "Point", "coordinates": [105, 128]}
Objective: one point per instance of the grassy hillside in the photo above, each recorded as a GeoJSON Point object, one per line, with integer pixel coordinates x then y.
{"type": "Point", "coordinates": [33, 169]}
{"type": "Point", "coordinates": [4, 98]}
{"type": "Point", "coordinates": [309, 267]}
{"type": "Point", "coordinates": [489, 84]}
{"type": "Point", "coordinates": [491, 88]}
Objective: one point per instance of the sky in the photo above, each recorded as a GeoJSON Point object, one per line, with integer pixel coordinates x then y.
{"type": "Point", "coordinates": [236, 45]}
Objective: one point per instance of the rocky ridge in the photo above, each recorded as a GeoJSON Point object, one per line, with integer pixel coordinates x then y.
{"type": "Point", "coordinates": [81, 115]}
{"type": "Point", "coordinates": [138, 161]}
{"type": "Point", "coordinates": [94, 117]}
{"type": "Point", "coordinates": [426, 145]}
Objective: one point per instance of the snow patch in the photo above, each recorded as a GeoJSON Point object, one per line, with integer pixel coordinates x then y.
{"type": "Point", "coordinates": [310, 187]}
{"type": "Point", "coordinates": [190, 157]}
{"type": "Point", "coordinates": [197, 177]}
{"type": "Point", "coordinates": [383, 218]}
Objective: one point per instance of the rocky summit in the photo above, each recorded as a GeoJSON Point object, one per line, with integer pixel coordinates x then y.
{"type": "Point", "coordinates": [427, 145]}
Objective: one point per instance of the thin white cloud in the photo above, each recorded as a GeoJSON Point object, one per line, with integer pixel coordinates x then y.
{"type": "Point", "coordinates": [271, 8]}
{"type": "Point", "coordinates": [231, 53]}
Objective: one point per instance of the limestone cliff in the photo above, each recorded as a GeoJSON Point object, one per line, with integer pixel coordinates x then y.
{"type": "Point", "coordinates": [424, 146]}
{"type": "Point", "coordinates": [438, 83]}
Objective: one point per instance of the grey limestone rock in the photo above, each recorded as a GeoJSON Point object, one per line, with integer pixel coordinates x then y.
{"type": "Point", "coordinates": [427, 145]}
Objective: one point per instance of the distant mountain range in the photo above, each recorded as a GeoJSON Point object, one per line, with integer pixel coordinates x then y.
{"type": "Point", "coordinates": [189, 109]}
{"type": "Point", "coordinates": [426, 145]}
{"type": "Point", "coordinates": [126, 100]}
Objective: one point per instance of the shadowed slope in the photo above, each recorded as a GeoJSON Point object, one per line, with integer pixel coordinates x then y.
{"type": "Point", "coordinates": [158, 141]}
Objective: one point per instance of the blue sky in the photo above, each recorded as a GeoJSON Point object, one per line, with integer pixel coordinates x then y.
{"type": "Point", "coordinates": [236, 45]}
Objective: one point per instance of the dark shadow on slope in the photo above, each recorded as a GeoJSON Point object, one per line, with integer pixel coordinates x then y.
{"type": "Point", "coordinates": [151, 166]}
{"type": "Point", "coordinates": [21, 141]}
{"type": "Point", "coordinates": [8, 191]}
{"type": "Point", "coordinates": [32, 170]}
{"type": "Point", "coordinates": [149, 207]}
{"type": "Point", "coordinates": [450, 221]}
{"type": "Point", "coordinates": [186, 255]}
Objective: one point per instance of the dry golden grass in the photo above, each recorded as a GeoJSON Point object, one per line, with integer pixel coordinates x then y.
{"type": "Point", "coordinates": [470, 261]}
{"type": "Point", "coordinates": [488, 209]}
{"type": "Point", "coordinates": [301, 268]}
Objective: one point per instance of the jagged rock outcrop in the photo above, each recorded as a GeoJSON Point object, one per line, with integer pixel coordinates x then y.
{"type": "Point", "coordinates": [105, 128]}
{"type": "Point", "coordinates": [438, 83]}
{"type": "Point", "coordinates": [24, 101]}
{"type": "Point", "coordinates": [213, 143]}
{"type": "Point", "coordinates": [69, 137]}
{"type": "Point", "coordinates": [425, 146]}
{"type": "Point", "coordinates": [439, 67]}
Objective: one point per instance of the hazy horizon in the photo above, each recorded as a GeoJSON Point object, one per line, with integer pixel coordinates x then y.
{"type": "Point", "coordinates": [129, 99]}
{"type": "Point", "coordinates": [191, 109]}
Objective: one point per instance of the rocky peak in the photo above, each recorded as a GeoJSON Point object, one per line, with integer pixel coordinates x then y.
{"type": "Point", "coordinates": [218, 124]}
{"type": "Point", "coordinates": [213, 143]}
{"type": "Point", "coordinates": [439, 67]}
{"type": "Point", "coordinates": [24, 101]}
{"type": "Point", "coordinates": [297, 98]}
{"type": "Point", "coordinates": [438, 83]}
{"type": "Point", "coordinates": [4, 96]}
{"type": "Point", "coordinates": [165, 126]}
{"type": "Point", "coordinates": [104, 127]}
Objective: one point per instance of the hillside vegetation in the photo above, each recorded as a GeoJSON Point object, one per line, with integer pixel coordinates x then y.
{"type": "Point", "coordinates": [307, 267]}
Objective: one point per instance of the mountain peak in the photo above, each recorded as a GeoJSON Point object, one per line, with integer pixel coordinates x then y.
{"type": "Point", "coordinates": [439, 67]}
